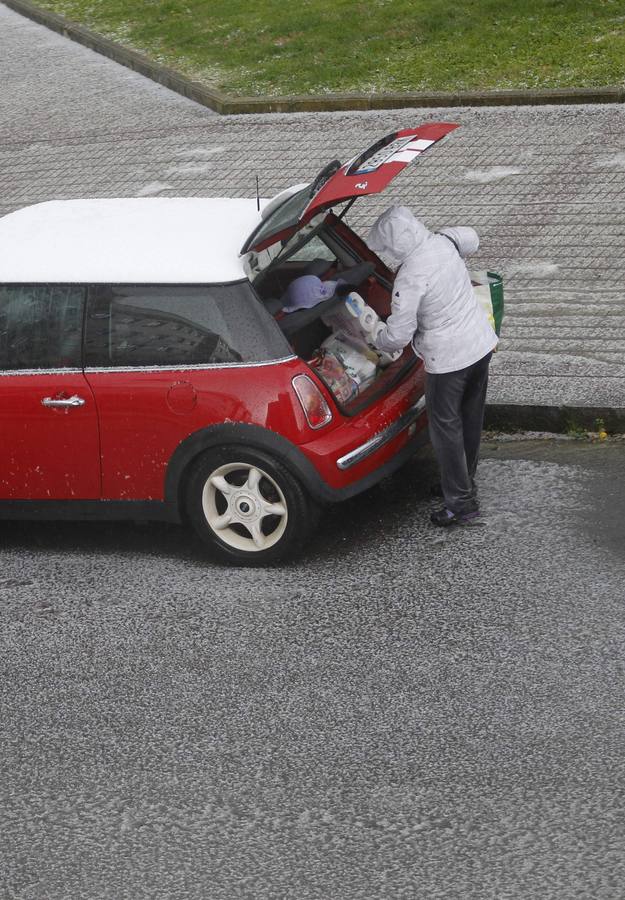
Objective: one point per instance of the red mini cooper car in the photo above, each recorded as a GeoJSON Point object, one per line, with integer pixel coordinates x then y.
{"type": "Point", "coordinates": [148, 368]}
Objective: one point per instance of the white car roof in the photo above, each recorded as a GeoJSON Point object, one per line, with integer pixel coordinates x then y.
{"type": "Point", "coordinates": [154, 240]}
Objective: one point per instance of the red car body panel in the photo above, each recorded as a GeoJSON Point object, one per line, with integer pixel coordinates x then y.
{"type": "Point", "coordinates": [328, 446]}
{"type": "Point", "coordinates": [145, 415]}
{"type": "Point", "coordinates": [48, 453]}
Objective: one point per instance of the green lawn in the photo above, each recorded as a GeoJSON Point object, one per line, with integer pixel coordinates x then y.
{"type": "Point", "coordinates": [251, 47]}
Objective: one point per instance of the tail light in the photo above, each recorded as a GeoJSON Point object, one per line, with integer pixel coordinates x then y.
{"type": "Point", "coordinates": [312, 401]}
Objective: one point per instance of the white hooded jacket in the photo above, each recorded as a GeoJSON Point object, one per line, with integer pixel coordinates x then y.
{"type": "Point", "coordinates": [433, 302]}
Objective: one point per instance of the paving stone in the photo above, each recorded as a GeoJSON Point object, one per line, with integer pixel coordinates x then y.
{"type": "Point", "coordinates": [543, 186]}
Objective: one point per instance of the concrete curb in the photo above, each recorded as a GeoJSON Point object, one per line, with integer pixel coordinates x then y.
{"type": "Point", "coordinates": [226, 105]}
{"type": "Point", "coordinates": [557, 419]}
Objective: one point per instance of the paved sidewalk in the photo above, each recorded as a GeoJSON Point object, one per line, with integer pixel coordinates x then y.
{"type": "Point", "coordinates": [543, 185]}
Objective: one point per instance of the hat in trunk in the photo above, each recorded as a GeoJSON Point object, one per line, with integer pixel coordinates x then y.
{"type": "Point", "coordinates": [307, 291]}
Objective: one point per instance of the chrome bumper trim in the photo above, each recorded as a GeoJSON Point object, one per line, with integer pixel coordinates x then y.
{"type": "Point", "coordinates": [383, 437]}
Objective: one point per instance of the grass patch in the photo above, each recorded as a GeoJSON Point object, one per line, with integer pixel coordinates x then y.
{"type": "Point", "coordinates": [269, 47]}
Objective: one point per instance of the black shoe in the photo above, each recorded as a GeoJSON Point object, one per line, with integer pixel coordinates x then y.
{"type": "Point", "coordinates": [445, 517]}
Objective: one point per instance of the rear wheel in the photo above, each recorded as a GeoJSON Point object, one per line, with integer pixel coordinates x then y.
{"type": "Point", "coordinates": [247, 506]}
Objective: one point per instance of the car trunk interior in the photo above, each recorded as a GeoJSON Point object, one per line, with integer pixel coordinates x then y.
{"type": "Point", "coordinates": [326, 336]}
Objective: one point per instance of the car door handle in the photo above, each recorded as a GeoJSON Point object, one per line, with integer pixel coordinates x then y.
{"type": "Point", "coordinates": [63, 401]}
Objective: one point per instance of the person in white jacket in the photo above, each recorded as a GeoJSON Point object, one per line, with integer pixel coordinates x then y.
{"type": "Point", "coordinates": [434, 308]}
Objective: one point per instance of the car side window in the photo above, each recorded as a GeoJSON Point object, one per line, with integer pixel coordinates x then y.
{"type": "Point", "coordinates": [40, 326]}
{"type": "Point", "coordinates": [178, 325]}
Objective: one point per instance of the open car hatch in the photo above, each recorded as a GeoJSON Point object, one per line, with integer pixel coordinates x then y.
{"type": "Point", "coordinates": [368, 173]}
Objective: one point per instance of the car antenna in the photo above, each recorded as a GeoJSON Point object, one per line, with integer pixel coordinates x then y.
{"type": "Point", "coordinates": [257, 195]}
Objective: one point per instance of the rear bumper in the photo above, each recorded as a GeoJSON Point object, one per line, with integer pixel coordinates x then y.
{"type": "Point", "coordinates": [383, 437]}
{"type": "Point", "coordinates": [322, 491]}
{"type": "Point", "coordinates": [351, 455]}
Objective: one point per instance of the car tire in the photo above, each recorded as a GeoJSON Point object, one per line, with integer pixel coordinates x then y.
{"type": "Point", "coordinates": [247, 507]}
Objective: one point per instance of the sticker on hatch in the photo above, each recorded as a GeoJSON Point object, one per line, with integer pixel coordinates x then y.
{"type": "Point", "coordinates": [401, 150]}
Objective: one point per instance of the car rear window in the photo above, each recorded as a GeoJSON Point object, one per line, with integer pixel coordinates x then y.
{"type": "Point", "coordinates": [178, 325]}
{"type": "Point", "coordinates": [284, 216]}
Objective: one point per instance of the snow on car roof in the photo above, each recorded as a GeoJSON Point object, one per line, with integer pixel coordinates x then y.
{"type": "Point", "coordinates": [154, 240]}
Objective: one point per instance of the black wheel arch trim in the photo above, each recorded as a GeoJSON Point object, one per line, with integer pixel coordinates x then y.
{"type": "Point", "coordinates": [284, 451]}
{"type": "Point", "coordinates": [253, 436]}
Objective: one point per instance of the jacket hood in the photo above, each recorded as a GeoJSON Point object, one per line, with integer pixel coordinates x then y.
{"type": "Point", "coordinates": [466, 239]}
{"type": "Point", "coordinates": [397, 233]}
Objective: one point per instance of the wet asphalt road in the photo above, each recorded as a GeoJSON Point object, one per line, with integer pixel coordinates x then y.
{"type": "Point", "coordinates": [402, 713]}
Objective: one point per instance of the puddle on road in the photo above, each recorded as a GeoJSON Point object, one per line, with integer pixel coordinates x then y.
{"type": "Point", "coordinates": [592, 474]}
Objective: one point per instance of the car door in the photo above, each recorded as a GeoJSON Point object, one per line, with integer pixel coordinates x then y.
{"type": "Point", "coordinates": [49, 447]}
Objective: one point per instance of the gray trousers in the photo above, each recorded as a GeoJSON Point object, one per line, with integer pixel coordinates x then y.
{"type": "Point", "coordinates": [455, 404]}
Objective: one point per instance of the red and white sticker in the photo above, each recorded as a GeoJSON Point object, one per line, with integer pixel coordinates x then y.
{"type": "Point", "coordinates": [410, 151]}
{"type": "Point", "coordinates": [403, 149]}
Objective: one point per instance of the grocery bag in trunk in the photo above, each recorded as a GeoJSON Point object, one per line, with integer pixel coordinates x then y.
{"type": "Point", "coordinates": [488, 289]}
